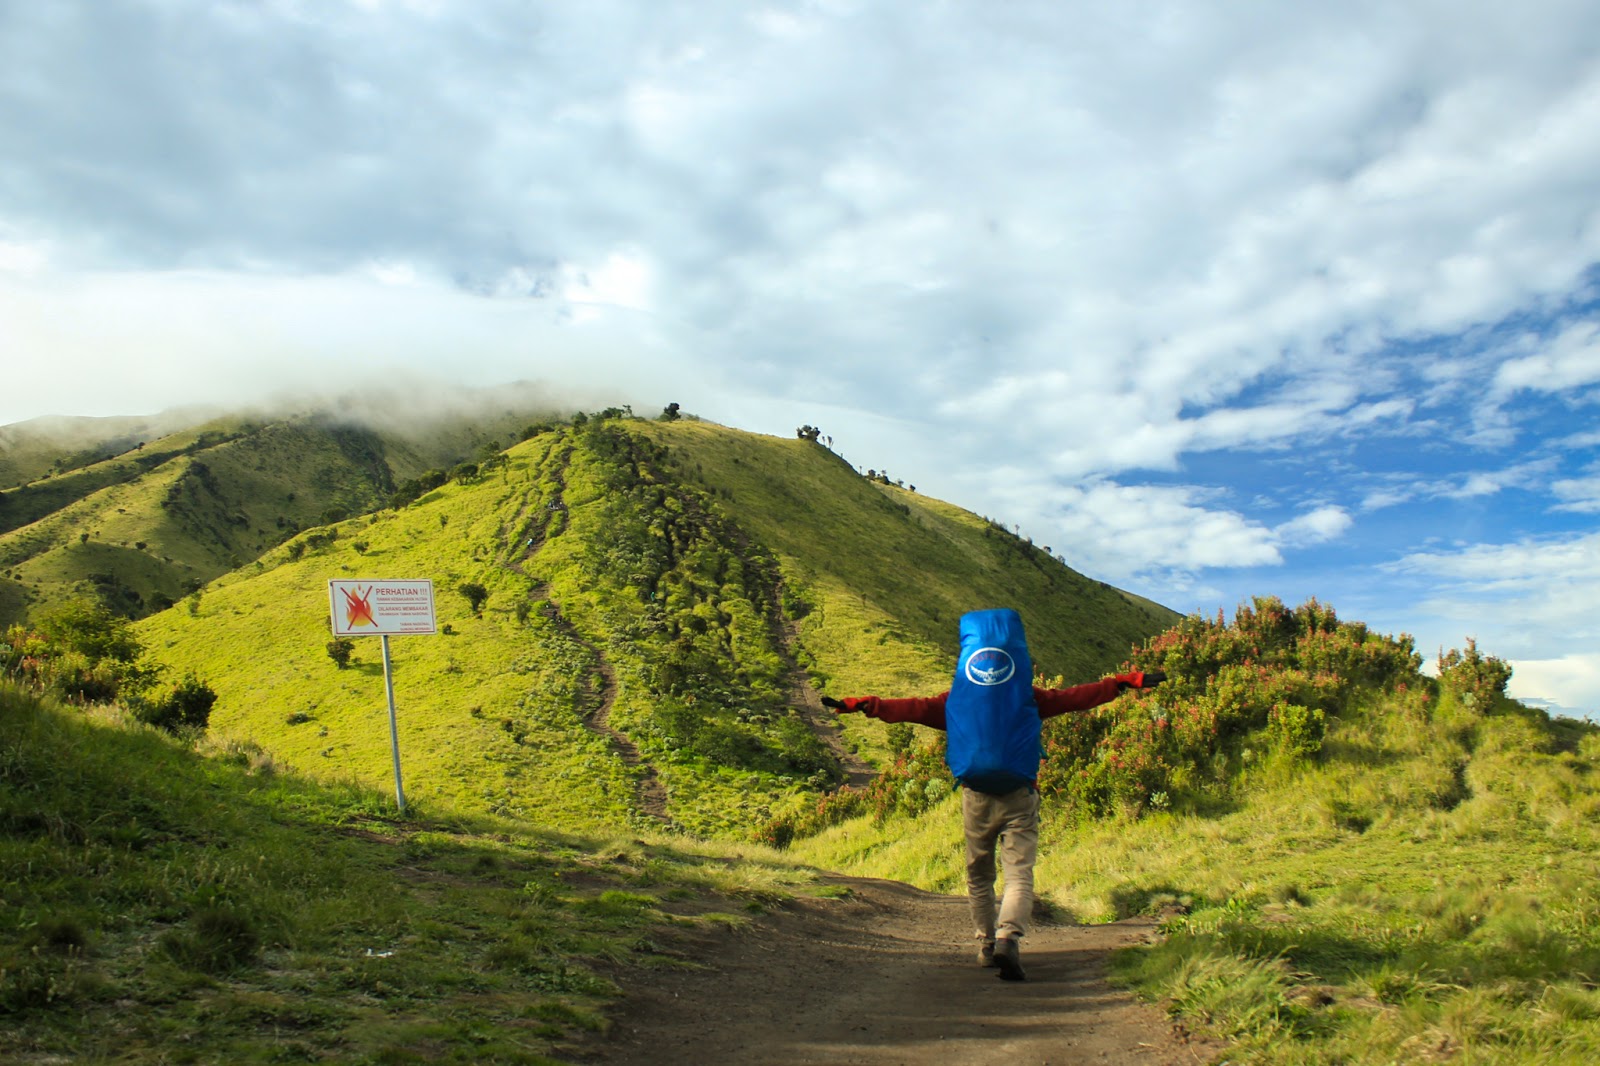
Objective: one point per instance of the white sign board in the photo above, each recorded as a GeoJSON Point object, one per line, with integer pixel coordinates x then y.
{"type": "Point", "coordinates": [381, 608]}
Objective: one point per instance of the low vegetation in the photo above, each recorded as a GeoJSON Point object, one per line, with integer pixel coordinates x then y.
{"type": "Point", "coordinates": [163, 904]}
{"type": "Point", "coordinates": [1354, 862]}
{"type": "Point", "coordinates": [631, 629]}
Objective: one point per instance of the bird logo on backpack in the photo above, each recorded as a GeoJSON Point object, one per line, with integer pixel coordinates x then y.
{"type": "Point", "coordinates": [990, 666]}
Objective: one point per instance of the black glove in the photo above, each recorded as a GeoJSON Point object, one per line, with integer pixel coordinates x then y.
{"type": "Point", "coordinates": [1148, 679]}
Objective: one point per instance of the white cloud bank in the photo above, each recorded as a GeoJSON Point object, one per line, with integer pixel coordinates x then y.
{"type": "Point", "coordinates": [1030, 255]}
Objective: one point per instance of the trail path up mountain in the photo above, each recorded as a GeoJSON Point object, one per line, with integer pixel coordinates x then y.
{"type": "Point", "coordinates": [887, 975]}
{"type": "Point", "coordinates": [650, 795]}
{"type": "Point", "coordinates": [804, 698]}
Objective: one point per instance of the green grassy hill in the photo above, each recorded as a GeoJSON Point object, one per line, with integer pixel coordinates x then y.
{"type": "Point", "coordinates": [663, 599]}
{"type": "Point", "coordinates": [138, 523]}
{"type": "Point", "coordinates": [41, 447]}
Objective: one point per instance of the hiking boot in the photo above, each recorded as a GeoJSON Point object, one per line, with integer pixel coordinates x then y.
{"type": "Point", "coordinates": [986, 954]}
{"type": "Point", "coordinates": [1008, 959]}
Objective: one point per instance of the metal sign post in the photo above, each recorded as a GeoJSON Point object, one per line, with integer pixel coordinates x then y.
{"type": "Point", "coordinates": [394, 730]}
{"type": "Point", "coordinates": [383, 609]}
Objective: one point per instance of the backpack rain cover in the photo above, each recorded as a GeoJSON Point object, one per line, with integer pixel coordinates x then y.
{"type": "Point", "coordinates": [991, 722]}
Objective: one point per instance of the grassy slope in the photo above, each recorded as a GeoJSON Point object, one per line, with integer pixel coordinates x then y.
{"type": "Point", "coordinates": [1424, 891]}
{"type": "Point", "coordinates": [204, 506]}
{"type": "Point", "coordinates": [156, 906]}
{"type": "Point", "coordinates": [206, 500]}
{"type": "Point", "coordinates": [34, 449]}
{"type": "Point", "coordinates": [259, 634]}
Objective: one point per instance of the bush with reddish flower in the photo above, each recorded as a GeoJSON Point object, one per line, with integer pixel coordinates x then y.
{"type": "Point", "coordinates": [1264, 683]}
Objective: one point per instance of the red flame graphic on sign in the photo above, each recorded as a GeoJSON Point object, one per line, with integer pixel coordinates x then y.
{"type": "Point", "coordinates": [358, 608]}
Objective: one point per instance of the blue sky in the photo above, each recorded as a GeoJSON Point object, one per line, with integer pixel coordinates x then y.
{"type": "Point", "coordinates": [1218, 300]}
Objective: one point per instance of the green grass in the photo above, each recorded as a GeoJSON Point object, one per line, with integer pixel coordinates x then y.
{"type": "Point", "coordinates": [488, 713]}
{"type": "Point", "coordinates": [884, 574]}
{"type": "Point", "coordinates": [160, 906]}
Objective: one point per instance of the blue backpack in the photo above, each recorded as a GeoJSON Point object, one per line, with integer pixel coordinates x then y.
{"type": "Point", "coordinates": [991, 721]}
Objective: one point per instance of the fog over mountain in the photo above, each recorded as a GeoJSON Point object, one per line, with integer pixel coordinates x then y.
{"type": "Point", "coordinates": [1217, 300]}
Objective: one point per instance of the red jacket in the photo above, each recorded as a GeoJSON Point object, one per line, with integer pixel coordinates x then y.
{"type": "Point", "coordinates": [929, 710]}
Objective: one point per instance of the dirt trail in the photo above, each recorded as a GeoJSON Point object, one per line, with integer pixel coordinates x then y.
{"type": "Point", "coordinates": [887, 976]}
{"type": "Point", "coordinates": [803, 697]}
{"type": "Point", "coordinates": [650, 795]}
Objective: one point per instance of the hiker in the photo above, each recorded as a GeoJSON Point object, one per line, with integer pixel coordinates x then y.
{"type": "Point", "coordinates": [992, 716]}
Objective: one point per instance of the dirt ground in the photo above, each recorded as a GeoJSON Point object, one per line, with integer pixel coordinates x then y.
{"type": "Point", "coordinates": [889, 976]}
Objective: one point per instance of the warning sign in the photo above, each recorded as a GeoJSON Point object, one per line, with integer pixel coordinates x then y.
{"type": "Point", "coordinates": [381, 608]}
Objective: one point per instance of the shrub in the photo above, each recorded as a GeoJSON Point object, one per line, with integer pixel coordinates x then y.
{"type": "Point", "coordinates": [1477, 680]}
{"type": "Point", "coordinates": [340, 649]}
{"type": "Point", "coordinates": [1295, 730]}
{"type": "Point", "coordinates": [917, 781]}
{"type": "Point", "coordinates": [91, 630]}
{"type": "Point", "coordinates": [80, 652]}
{"type": "Point", "coordinates": [1268, 679]}
{"type": "Point", "coordinates": [475, 593]}
{"type": "Point", "coordinates": [187, 706]}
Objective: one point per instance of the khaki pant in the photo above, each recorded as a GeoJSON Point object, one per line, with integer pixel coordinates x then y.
{"type": "Point", "coordinates": [1012, 822]}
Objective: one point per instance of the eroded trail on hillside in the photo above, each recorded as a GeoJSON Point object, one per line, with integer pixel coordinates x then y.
{"type": "Point", "coordinates": [650, 795]}
{"type": "Point", "coordinates": [887, 976]}
{"type": "Point", "coordinates": [802, 696]}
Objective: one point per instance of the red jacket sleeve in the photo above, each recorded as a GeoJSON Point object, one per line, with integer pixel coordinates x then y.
{"type": "Point", "coordinates": [921, 710]}
{"type": "Point", "coordinates": [929, 710]}
{"type": "Point", "coordinates": [1054, 701]}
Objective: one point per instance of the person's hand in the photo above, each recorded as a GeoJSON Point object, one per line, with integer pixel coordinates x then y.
{"type": "Point", "coordinates": [850, 704]}
{"type": "Point", "coordinates": [1146, 679]}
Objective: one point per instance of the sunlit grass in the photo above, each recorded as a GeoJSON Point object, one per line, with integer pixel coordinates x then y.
{"type": "Point", "coordinates": [152, 899]}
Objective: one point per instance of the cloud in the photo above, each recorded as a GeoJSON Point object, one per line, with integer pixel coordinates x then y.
{"type": "Point", "coordinates": [1162, 219]}
{"type": "Point", "coordinates": [1166, 535]}
{"type": "Point", "coordinates": [1569, 685]}
{"type": "Point", "coordinates": [1315, 527]}
{"type": "Point", "coordinates": [1570, 360]}
{"type": "Point", "coordinates": [1030, 255]}
{"type": "Point", "coordinates": [1495, 567]}
{"type": "Point", "coordinates": [1533, 475]}
{"type": "Point", "coordinates": [1134, 527]}
{"type": "Point", "coordinates": [231, 340]}
{"type": "Point", "coordinates": [1581, 495]}
{"type": "Point", "coordinates": [1528, 601]}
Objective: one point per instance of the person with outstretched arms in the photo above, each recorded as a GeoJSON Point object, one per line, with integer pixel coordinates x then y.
{"type": "Point", "coordinates": [992, 717]}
